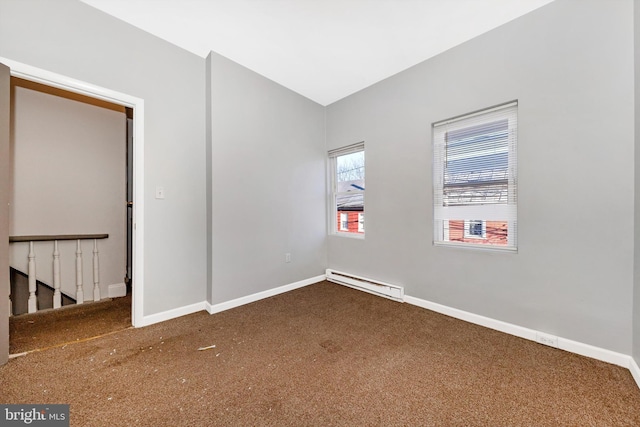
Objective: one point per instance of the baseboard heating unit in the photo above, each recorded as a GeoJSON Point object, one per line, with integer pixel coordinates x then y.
{"type": "Point", "coordinates": [382, 289]}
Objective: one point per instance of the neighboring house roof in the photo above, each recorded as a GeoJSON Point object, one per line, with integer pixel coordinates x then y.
{"type": "Point", "coordinates": [487, 186]}
{"type": "Point", "coordinates": [350, 195]}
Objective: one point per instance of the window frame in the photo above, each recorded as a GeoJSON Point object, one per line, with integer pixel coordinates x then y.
{"type": "Point", "coordinates": [335, 226]}
{"type": "Point", "coordinates": [489, 207]}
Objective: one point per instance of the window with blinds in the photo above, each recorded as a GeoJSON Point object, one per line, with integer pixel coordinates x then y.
{"type": "Point", "coordinates": [346, 169]}
{"type": "Point", "coordinates": [475, 179]}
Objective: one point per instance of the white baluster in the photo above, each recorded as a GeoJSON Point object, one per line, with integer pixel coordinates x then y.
{"type": "Point", "coordinates": [57, 296]}
{"type": "Point", "coordinates": [33, 302]}
{"type": "Point", "coordinates": [96, 272]}
{"type": "Point", "coordinates": [79, 287]}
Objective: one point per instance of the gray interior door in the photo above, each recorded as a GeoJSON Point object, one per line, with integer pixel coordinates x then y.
{"type": "Point", "coordinates": [5, 102]}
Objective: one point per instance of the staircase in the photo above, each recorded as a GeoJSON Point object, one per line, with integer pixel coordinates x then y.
{"type": "Point", "coordinates": [19, 283]}
{"type": "Point", "coordinates": [40, 295]}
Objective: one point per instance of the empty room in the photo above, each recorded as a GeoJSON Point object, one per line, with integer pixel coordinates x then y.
{"type": "Point", "coordinates": [358, 212]}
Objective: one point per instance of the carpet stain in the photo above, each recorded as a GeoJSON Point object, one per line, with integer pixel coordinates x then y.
{"type": "Point", "coordinates": [331, 346]}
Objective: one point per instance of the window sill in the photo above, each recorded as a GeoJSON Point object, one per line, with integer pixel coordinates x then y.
{"type": "Point", "coordinates": [476, 247]}
{"type": "Point", "coordinates": [359, 236]}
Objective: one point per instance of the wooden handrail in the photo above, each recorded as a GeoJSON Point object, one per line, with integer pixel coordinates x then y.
{"type": "Point", "coordinates": [45, 238]}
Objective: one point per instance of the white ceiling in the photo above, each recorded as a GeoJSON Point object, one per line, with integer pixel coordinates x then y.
{"type": "Point", "coordinates": [322, 49]}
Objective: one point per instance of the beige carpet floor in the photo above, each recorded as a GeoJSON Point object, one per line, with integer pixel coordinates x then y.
{"type": "Point", "coordinates": [322, 355]}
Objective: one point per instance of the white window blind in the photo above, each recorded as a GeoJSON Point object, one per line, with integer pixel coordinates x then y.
{"type": "Point", "coordinates": [475, 177]}
{"type": "Point", "coordinates": [349, 149]}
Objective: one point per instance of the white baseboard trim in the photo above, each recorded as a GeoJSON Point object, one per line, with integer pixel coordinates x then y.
{"type": "Point", "coordinates": [526, 333]}
{"type": "Point", "coordinates": [216, 308]}
{"type": "Point", "coordinates": [204, 305]}
{"type": "Point", "coordinates": [635, 371]}
{"type": "Point", "coordinates": [594, 352]}
{"type": "Point", "coordinates": [171, 314]}
{"type": "Point", "coordinates": [117, 290]}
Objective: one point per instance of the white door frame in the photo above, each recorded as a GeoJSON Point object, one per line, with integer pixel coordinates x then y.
{"type": "Point", "coordinates": [48, 78]}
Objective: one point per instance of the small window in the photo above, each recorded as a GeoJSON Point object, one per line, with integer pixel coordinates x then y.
{"type": "Point", "coordinates": [344, 222]}
{"type": "Point", "coordinates": [475, 229]}
{"type": "Point", "coordinates": [475, 179]}
{"type": "Point", "coordinates": [346, 168]}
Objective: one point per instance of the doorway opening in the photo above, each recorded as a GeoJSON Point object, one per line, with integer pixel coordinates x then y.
{"type": "Point", "coordinates": [68, 152]}
{"type": "Point", "coordinates": [134, 109]}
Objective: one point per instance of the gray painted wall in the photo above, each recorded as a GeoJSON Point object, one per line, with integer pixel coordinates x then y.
{"type": "Point", "coordinates": [75, 40]}
{"type": "Point", "coordinates": [636, 281]}
{"type": "Point", "coordinates": [68, 161]}
{"type": "Point", "coordinates": [267, 183]}
{"type": "Point", "coordinates": [209, 182]}
{"type": "Point", "coordinates": [570, 66]}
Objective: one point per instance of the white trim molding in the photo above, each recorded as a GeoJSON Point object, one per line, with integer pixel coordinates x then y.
{"type": "Point", "coordinates": [204, 305]}
{"type": "Point", "coordinates": [171, 314]}
{"type": "Point", "coordinates": [635, 370]}
{"type": "Point", "coordinates": [571, 346]}
{"type": "Point", "coordinates": [216, 308]}
{"type": "Point", "coordinates": [117, 290]}
{"type": "Point", "coordinates": [60, 81]}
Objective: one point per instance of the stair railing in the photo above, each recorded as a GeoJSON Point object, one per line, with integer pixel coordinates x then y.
{"type": "Point", "coordinates": [57, 295]}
